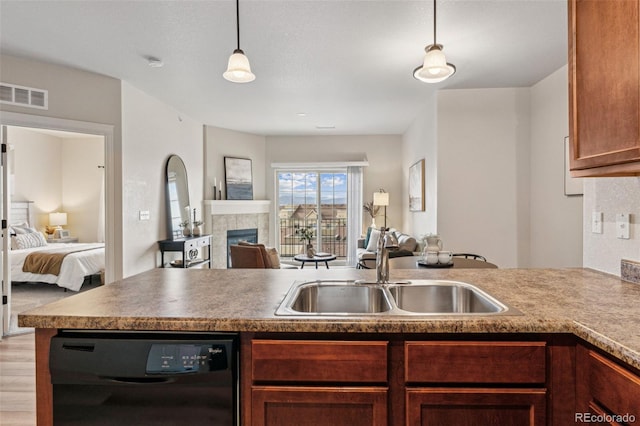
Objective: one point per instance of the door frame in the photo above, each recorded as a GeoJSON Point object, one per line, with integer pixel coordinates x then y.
{"type": "Point", "coordinates": [112, 262]}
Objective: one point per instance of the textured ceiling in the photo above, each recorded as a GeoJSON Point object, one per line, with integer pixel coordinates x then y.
{"type": "Point", "coordinates": [346, 64]}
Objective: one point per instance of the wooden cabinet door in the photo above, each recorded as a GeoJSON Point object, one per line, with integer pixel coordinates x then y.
{"type": "Point", "coordinates": [602, 383]}
{"type": "Point", "coordinates": [318, 406]}
{"type": "Point", "coordinates": [604, 86]}
{"type": "Point", "coordinates": [476, 407]}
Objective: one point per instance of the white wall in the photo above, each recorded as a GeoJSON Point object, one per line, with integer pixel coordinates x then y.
{"type": "Point", "coordinates": [420, 141]}
{"type": "Point", "coordinates": [382, 151]}
{"type": "Point", "coordinates": [151, 131]}
{"type": "Point", "coordinates": [556, 219]}
{"type": "Point", "coordinates": [37, 171]}
{"type": "Point", "coordinates": [59, 174]}
{"type": "Point", "coordinates": [220, 143]}
{"type": "Point", "coordinates": [82, 181]}
{"type": "Point", "coordinates": [483, 139]}
{"type": "Point", "coordinates": [610, 196]}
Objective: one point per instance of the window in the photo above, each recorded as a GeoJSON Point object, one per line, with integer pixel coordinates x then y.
{"type": "Point", "coordinates": [315, 200]}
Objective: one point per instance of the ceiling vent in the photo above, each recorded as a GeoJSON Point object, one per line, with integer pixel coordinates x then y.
{"type": "Point", "coordinates": [24, 96]}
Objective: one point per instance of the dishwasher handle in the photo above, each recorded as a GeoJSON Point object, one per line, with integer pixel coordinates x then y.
{"type": "Point", "coordinates": [139, 380]}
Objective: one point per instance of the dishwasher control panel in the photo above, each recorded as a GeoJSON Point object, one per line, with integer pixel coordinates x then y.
{"type": "Point", "coordinates": [177, 358]}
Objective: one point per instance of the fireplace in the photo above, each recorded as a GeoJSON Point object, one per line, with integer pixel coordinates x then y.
{"type": "Point", "coordinates": [222, 216]}
{"type": "Point", "coordinates": [236, 235]}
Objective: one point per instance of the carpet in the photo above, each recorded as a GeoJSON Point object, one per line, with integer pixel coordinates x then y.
{"type": "Point", "coordinates": [26, 296]}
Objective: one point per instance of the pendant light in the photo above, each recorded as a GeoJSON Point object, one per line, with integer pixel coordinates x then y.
{"type": "Point", "coordinates": [238, 70]}
{"type": "Point", "coordinates": [435, 67]}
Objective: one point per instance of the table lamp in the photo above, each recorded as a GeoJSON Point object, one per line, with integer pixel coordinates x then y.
{"type": "Point", "coordinates": [381, 198]}
{"type": "Point", "coordinates": [56, 220]}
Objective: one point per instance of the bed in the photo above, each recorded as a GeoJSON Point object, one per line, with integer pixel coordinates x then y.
{"type": "Point", "coordinates": [80, 260]}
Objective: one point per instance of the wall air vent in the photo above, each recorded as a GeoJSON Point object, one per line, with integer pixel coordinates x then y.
{"type": "Point", "coordinates": [24, 96]}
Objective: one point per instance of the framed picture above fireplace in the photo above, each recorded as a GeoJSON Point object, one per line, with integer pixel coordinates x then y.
{"type": "Point", "coordinates": [238, 178]}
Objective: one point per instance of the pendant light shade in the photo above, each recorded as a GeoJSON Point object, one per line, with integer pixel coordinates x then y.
{"type": "Point", "coordinates": [238, 69]}
{"type": "Point", "coordinates": [435, 67]}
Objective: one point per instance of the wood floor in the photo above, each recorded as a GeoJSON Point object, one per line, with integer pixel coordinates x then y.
{"type": "Point", "coordinates": [17, 381]}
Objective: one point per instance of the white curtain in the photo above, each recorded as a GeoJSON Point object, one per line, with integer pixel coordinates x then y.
{"type": "Point", "coordinates": [354, 212]}
{"type": "Point", "coordinates": [101, 212]}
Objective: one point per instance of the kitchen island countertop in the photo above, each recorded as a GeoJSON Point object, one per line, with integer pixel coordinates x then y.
{"type": "Point", "coordinates": [599, 308]}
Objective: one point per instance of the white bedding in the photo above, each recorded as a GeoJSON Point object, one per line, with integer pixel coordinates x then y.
{"type": "Point", "coordinates": [75, 266]}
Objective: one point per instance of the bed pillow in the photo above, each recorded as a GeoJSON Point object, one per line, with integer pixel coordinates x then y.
{"type": "Point", "coordinates": [21, 228]}
{"type": "Point", "coordinates": [30, 240]}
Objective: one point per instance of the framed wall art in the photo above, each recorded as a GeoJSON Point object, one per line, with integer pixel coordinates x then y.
{"type": "Point", "coordinates": [416, 187]}
{"type": "Point", "coordinates": [572, 186]}
{"type": "Point", "coordinates": [238, 178]}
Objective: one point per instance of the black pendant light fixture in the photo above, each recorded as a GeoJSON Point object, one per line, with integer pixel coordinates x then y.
{"type": "Point", "coordinates": [238, 69]}
{"type": "Point", "coordinates": [435, 67]}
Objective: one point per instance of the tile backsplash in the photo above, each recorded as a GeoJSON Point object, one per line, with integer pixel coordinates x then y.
{"type": "Point", "coordinates": [630, 271]}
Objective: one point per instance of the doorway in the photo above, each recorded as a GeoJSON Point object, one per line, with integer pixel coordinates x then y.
{"type": "Point", "coordinates": [65, 158]}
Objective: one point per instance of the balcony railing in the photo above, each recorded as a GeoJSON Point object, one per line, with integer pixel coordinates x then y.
{"type": "Point", "coordinates": [333, 237]}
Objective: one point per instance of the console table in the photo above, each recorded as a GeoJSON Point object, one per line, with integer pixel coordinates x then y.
{"type": "Point", "coordinates": [189, 246]}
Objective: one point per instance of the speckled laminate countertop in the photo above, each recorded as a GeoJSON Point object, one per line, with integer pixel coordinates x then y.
{"type": "Point", "coordinates": [599, 308]}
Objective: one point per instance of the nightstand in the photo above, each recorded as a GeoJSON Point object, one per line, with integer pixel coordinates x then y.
{"type": "Point", "coordinates": [63, 240]}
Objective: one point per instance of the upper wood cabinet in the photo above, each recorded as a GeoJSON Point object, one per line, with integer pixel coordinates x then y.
{"type": "Point", "coordinates": [604, 87]}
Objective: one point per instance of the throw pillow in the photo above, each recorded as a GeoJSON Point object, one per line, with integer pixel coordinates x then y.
{"type": "Point", "coordinates": [366, 239]}
{"type": "Point", "coordinates": [30, 240]}
{"type": "Point", "coordinates": [274, 256]}
{"type": "Point", "coordinates": [372, 245]}
{"type": "Point", "coordinates": [406, 242]}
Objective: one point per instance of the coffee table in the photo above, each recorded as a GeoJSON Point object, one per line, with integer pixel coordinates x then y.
{"type": "Point", "coordinates": [315, 259]}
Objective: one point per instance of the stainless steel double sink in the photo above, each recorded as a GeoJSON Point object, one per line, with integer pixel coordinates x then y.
{"type": "Point", "coordinates": [419, 297]}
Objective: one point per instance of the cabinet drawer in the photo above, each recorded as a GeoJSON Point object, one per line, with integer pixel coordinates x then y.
{"type": "Point", "coordinates": [612, 386]}
{"type": "Point", "coordinates": [188, 245]}
{"type": "Point", "coordinates": [475, 362]}
{"type": "Point", "coordinates": [203, 242]}
{"type": "Point", "coordinates": [319, 361]}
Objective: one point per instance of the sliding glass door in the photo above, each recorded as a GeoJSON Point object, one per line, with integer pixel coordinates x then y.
{"type": "Point", "coordinates": [316, 200]}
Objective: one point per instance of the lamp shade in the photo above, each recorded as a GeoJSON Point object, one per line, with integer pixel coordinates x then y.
{"type": "Point", "coordinates": [435, 67]}
{"type": "Point", "coordinates": [239, 70]}
{"type": "Point", "coordinates": [380, 198]}
{"type": "Point", "coordinates": [57, 219]}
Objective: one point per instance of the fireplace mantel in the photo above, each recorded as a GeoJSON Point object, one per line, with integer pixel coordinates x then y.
{"type": "Point", "coordinates": [237, 206]}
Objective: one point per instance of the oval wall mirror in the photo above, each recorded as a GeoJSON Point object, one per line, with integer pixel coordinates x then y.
{"type": "Point", "coordinates": [177, 197]}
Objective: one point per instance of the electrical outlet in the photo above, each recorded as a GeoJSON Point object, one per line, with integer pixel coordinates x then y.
{"type": "Point", "coordinates": [596, 222]}
{"type": "Point", "coordinates": [144, 215]}
{"type": "Point", "coordinates": [622, 225]}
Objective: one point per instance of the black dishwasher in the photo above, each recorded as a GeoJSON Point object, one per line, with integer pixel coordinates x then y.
{"type": "Point", "coordinates": [144, 378]}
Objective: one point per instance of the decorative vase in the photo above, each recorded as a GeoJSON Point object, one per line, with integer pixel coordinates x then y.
{"type": "Point", "coordinates": [310, 250]}
{"type": "Point", "coordinates": [373, 223]}
{"type": "Point", "coordinates": [196, 230]}
{"type": "Point", "coordinates": [186, 231]}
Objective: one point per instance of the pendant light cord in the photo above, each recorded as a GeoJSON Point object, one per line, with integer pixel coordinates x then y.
{"type": "Point", "coordinates": [434, 22]}
{"type": "Point", "coordinates": [238, 22]}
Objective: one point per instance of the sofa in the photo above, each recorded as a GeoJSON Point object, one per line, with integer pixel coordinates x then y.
{"type": "Point", "coordinates": [367, 247]}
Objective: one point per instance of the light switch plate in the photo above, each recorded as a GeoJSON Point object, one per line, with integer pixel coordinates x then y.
{"type": "Point", "coordinates": [596, 222]}
{"type": "Point", "coordinates": [622, 225]}
{"type": "Point", "coordinates": [144, 215]}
